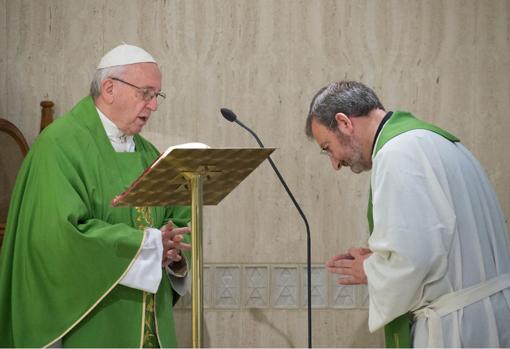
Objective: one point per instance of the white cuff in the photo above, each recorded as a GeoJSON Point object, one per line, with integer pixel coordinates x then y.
{"type": "Point", "coordinates": [145, 273]}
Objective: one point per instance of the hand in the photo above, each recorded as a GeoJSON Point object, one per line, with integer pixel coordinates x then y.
{"type": "Point", "coordinates": [350, 266]}
{"type": "Point", "coordinates": [173, 243]}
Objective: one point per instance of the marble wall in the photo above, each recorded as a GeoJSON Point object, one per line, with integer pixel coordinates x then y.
{"type": "Point", "coordinates": [447, 61]}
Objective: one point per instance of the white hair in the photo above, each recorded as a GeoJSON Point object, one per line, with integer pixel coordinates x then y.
{"type": "Point", "coordinates": [101, 74]}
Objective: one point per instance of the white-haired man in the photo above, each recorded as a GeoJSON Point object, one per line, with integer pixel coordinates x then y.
{"type": "Point", "coordinates": [74, 271]}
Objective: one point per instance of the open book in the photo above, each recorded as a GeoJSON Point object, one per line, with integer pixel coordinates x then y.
{"type": "Point", "coordinates": [193, 145]}
{"type": "Point", "coordinates": [165, 183]}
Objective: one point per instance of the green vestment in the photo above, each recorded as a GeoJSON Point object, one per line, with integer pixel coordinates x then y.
{"type": "Point", "coordinates": [398, 331]}
{"type": "Point", "coordinates": [66, 248]}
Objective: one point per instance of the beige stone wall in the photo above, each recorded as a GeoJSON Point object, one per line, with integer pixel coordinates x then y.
{"type": "Point", "coordinates": [446, 61]}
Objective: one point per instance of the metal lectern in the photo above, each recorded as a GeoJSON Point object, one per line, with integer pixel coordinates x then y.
{"type": "Point", "coordinates": [197, 177]}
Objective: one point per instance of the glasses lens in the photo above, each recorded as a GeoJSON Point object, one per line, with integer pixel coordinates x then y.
{"type": "Point", "coordinates": [149, 95]}
{"type": "Point", "coordinates": [160, 97]}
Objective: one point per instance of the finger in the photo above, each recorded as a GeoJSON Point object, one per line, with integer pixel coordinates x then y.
{"type": "Point", "coordinates": [341, 271]}
{"type": "Point", "coordinates": [344, 263]}
{"type": "Point", "coordinates": [342, 256]}
{"type": "Point", "coordinates": [179, 245]}
{"type": "Point", "coordinates": [359, 251]}
{"type": "Point", "coordinates": [361, 255]}
{"type": "Point", "coordinates": [348, 281]}
{"type": "Point", "coordinates": [171, 253]}
{"type": "Point", "coordinates": [177, 238]}
{"type": "Point", "coordinates": [168, 226]}
{"type": "Point", "coordinates": [166, 235]}
{"type": "Point", "coordinates": [174, 255]}
{"type": "Point", "coordinates": [337, 257]}
{"type": "Point", "coordinates": [364, 251]}
{"type": "Point", "coordinates": [166, 262]}
{"type": "Point", "coordinates": [167, 244]}
{"type": "Point", "coordinates": [182, 246]}
{"type": "Point", "coordinates": [170, 240]}
{"type": "Point", "coordinates": [180, 231]}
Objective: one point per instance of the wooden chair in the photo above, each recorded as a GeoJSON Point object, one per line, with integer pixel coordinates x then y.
{"type": "Point", "coordinates": [14, 148]}
{"type": "Point", "coordinates": [46, 113]}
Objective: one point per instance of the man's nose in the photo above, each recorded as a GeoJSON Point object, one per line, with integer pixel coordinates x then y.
{"type": "Point", "coordinates": [335, 163]}
{"type": "Point", "coordinates": [153, 104]}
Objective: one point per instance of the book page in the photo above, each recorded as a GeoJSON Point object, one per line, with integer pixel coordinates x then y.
{"type": "Point", "coordinates": [192, 145]}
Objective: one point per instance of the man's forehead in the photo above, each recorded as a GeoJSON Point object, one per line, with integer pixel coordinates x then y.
{"type": "Point", "coordinates": [143, 73]}
{"type": "Point", "coordinates": [141, 68]}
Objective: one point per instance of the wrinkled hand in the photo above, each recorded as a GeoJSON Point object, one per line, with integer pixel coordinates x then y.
{"type": "Point", "coordinates": [173, 243]}
{"type": "Point", "coordinates": [350, 266]}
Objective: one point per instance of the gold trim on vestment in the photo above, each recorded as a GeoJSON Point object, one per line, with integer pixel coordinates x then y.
{"type": "Point", "coordinates": [144, 214]}
{"type": "Point", "coordinates": [142, 335]}
{"type": "Point", "coordinates": [156, 321]}
{"type": "Point", "coordinates": [103, 296]}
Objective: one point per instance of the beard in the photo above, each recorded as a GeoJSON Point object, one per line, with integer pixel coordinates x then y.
{"type": "Point", "coordinates": [356, 162]}
{"type": "Point", "coordinates": [357, 167]}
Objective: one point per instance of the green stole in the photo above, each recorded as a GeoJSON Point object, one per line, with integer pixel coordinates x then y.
{"type": "Point", "coordinates": [398, 331]}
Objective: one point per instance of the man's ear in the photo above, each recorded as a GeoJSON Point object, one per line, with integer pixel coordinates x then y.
{"type": "Point", "coordinates": [107, 90]}
{"type": "Point", "coordinates": [344, 123]}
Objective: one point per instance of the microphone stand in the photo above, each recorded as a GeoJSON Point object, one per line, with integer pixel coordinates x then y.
{"type": "Point", "coordinates": [308, 239]}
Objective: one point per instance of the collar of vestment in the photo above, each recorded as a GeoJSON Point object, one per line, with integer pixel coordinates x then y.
{"type": "Point", "coordinates": [120, 141]}
{"type": "Point", "coordinates": [379, 128]}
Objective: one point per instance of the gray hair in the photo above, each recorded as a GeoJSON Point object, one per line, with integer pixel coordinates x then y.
{"type": "Point", "coordinates": [349, 97]}
{"type": "Point", "coordinates": [100, 75]}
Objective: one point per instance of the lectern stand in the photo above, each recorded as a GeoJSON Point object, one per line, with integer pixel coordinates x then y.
{"type": "Point", "coordinates": [197, 177]}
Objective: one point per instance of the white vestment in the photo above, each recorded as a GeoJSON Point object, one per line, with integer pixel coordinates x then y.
{"type": "Point", "coordinates": [438, 228]}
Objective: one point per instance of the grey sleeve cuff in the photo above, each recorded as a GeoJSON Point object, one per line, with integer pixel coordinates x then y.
{"type": "Point", "coordinates": [180, 279]}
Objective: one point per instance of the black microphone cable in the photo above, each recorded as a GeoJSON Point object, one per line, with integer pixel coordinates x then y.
{"type": "Point", "coordinates": [232, 117]}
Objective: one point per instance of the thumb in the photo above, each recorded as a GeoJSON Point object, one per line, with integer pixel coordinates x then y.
{"type": "Point", "coordinates": [168, 226]}
{"type": "Point", "coordinates": [358, 252]}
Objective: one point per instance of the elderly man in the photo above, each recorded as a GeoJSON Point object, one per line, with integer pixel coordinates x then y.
{"type": "Point", "coordinates": [438, 262]}
{"type": "Point", "coordinates": [74, 271]}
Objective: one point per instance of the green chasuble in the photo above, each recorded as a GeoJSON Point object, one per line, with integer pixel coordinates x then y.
{"type": "Point", "coordinates": [398, 331]}
{"type": "Point", "coordinates": [66, 248]}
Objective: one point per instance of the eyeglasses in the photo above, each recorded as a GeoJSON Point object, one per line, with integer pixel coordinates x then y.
{"type": "Point", "coordinates": [325, 151]}
{"type": "Point", "coordinates": [148, 94]}
{"type": "Point", "coordinates": [325, 148]}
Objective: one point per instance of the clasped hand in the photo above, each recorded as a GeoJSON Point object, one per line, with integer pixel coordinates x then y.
{"type": "Point", "coordinates": [173, 243]}
{"type": "Point", "coordinates": [350, 266]}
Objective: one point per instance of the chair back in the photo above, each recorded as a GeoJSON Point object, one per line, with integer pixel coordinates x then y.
{"type": "Point", "coordinates": [13, 148]}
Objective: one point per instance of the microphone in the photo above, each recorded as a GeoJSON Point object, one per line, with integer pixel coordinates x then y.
{"type": "Point", "coordinates": [232, 117]}
{"type": "Point", "coordinates": [228, 114]}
